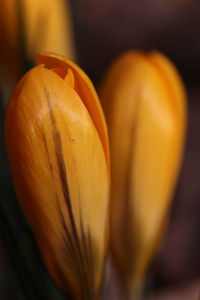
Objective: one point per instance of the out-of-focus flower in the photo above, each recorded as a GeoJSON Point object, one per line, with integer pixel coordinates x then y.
{"type": "Point", "coordinates": [144, 102]}
{"type": "Point", "coordinates": [57, 147]}
{"type": "Point", "coordinates": [29, 27]}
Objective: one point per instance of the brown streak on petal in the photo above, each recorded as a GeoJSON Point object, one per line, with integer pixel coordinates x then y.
{"type": "Point", "coordinates": [74, 254]}
{"type": "Point", "coordinates": [69, 249]}
{"type": "Point", "coordinates": [127, 217]}
{"type": "Point", "coordinates": [64, 185]}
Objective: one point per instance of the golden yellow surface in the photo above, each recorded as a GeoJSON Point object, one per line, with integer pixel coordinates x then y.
{"type": "Point", "coordinates": [61, 176]}
{"type": "Point", "coordinates": [144, 102]}
{"type": "Point", "coordinates": [29, 27]}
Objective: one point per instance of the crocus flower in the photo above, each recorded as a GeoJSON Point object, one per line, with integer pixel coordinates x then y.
{"type": "Point", "coordinates": [29, 27]}
{"type": "Point", "coordinates": [58, 152]}
{"type": "Point", "coordinates": [144, 102]}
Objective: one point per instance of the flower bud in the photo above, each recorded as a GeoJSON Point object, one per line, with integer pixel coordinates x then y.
{"type": "Point", "coordinates": [57, 147]}
{"type": "Point", "coordinates": [29, 27]}
{"type": "Point", "coordinates": [144, 102]}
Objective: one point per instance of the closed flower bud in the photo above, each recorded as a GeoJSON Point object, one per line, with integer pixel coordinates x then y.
{"type": "Point", "coordinates": [32, 26]}
{"type": "Point", "coordinates": [57, 147]}
{"type": "Point", "coordinates": [144, 102]}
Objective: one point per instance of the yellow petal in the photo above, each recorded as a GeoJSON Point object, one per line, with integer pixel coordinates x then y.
{"type": "Point", "coordinates": [61, 178]}
{"type": "Point", "coordinates": [86, 91]}
{"type": "Point", "coordinates": [144, 102]}
{"type": "Point", "coordinates": [37, 26]}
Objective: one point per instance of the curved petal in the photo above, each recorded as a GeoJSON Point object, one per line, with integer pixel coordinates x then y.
{"type": "Point", "coordinates": [144, 103]}
{"type": "Point", "coordinates": [60, 176]}
{"type": "Point", "coordinates": [85, 90]}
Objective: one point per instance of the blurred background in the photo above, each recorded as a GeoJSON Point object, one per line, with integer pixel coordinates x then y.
{"type": "Point", "coordinates": [93, 33]}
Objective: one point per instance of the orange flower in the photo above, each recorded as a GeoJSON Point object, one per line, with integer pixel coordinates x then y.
{"type": "Point", "coordinates": [32, 26]}
{"type": "Point", "coordinates": [58, 152]}
{"type": "Point", "coordinates": [144, 102]}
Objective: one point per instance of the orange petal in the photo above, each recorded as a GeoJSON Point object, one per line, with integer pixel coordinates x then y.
{"type": "Point", "coordinates": [60, 176]}
{"type": "Point", "coordinates": [145, 106]}
{"type": "Point", "coordinates": [85, 90]}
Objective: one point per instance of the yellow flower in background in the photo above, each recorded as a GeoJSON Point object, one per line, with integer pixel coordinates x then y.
{"type": "Point", "coordinates": [29, 27]}
{"type": "Point", "coordinates": [144, 102]}
{"type": "Point", "coordinates": [57, 146]}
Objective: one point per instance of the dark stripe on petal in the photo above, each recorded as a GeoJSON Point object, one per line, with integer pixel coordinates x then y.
{"type": "Point", "coordinates": [69, 247]}
{"type": "Point", "coordinates": [65, 188]}
{"type": "Point", "coordinates": [127, 213]}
